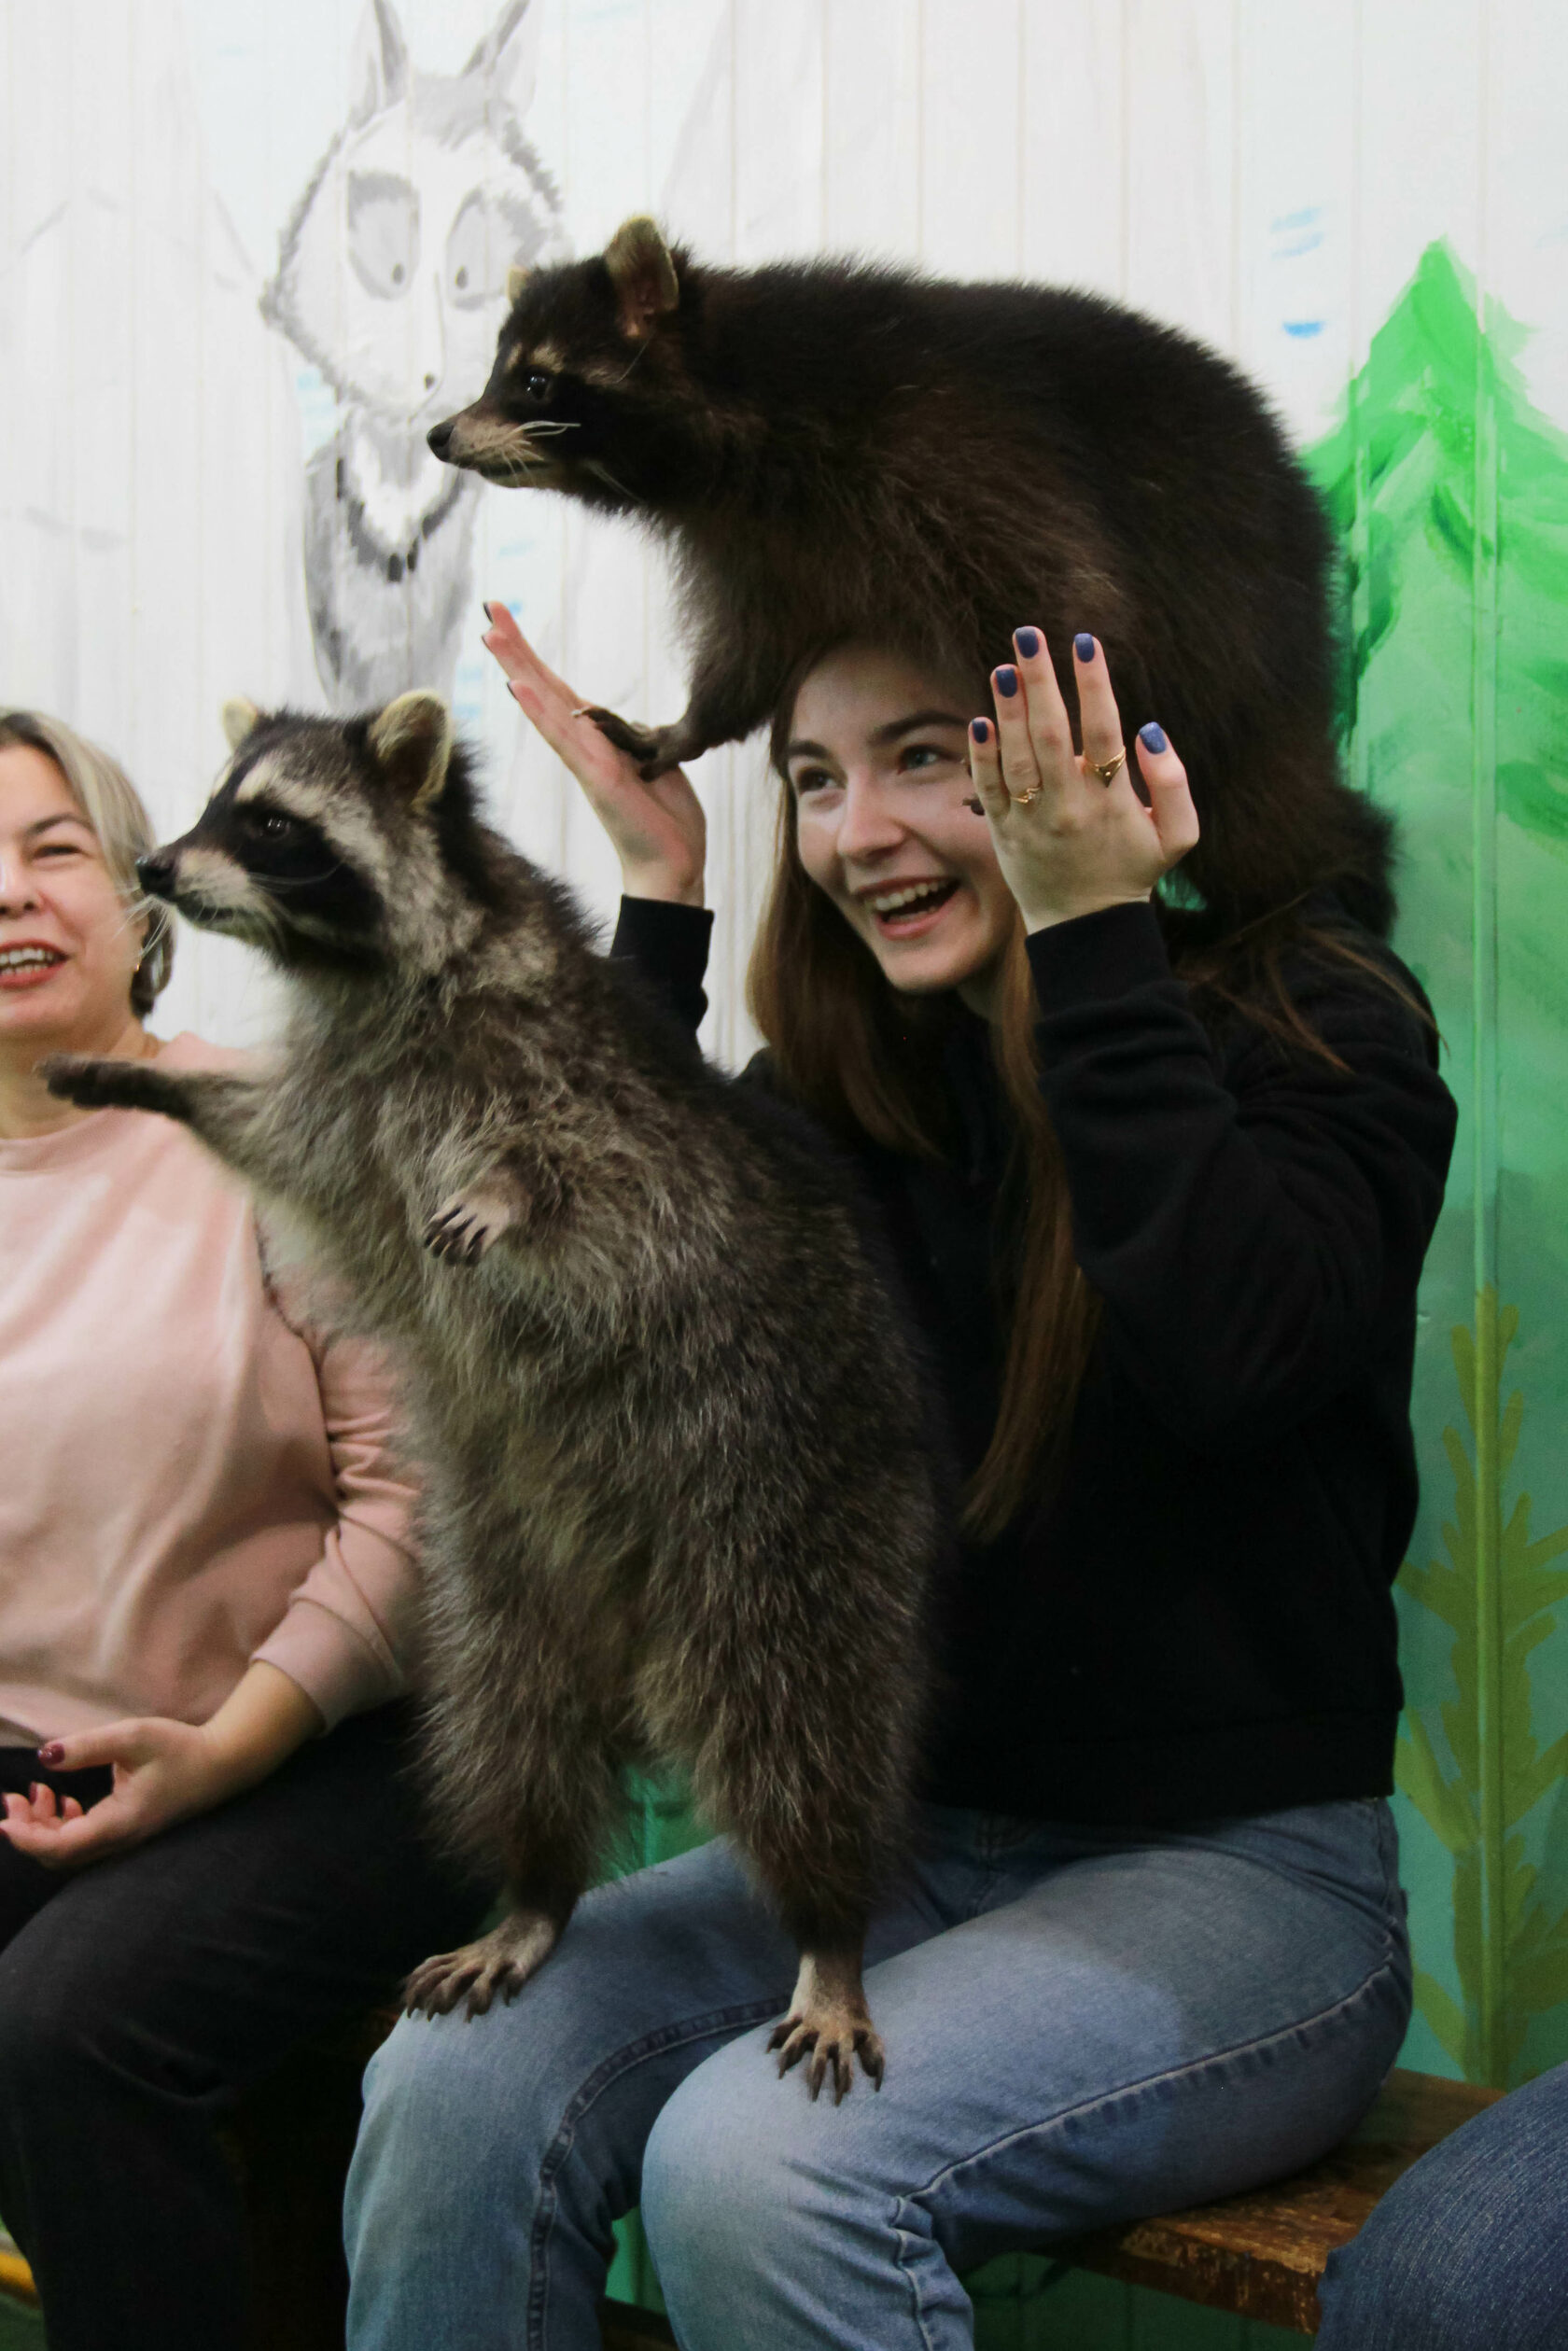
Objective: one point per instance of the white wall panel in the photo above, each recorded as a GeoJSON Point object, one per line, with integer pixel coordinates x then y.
{"type": "Point", "coordinates": [1074, 184]}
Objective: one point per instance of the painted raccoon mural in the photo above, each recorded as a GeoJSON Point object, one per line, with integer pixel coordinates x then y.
{"type": "Point", "coordinates": [391, 280]}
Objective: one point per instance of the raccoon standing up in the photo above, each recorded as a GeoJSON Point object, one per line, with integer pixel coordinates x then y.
{"type": "Point", "coordinates": [666, 1521]}
{"type": "Point", "coordinates": [1160, 1193]}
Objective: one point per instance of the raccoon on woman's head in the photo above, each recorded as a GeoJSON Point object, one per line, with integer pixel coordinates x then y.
{"type": "Point", "coordinates": [838, 452]}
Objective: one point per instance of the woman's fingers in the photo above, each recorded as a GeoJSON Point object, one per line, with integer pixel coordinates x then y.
{"type": "Point", "coordinates": [1170, 800]}
{"type": "Point", "coordinates": [1020, 762]}
{"type": "Point", "coordinates": [1099, 720]}
{"type": "Point", "coordinates": [984, 766]}
{"type": "Point", "coordinates": [1049, 727]}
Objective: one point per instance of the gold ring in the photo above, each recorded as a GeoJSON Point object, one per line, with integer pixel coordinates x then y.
{"type": "Point", "coordinates": [1111, 769]}
{"type": "Point", "coordinates": [1026, 799]}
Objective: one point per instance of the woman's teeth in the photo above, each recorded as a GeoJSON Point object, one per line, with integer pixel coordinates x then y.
{"type": "Point", "coordinates": [19, 958]}
{"type": "Point", "coordinates": [898, 902]}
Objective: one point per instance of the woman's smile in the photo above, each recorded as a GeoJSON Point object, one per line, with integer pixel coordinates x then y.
{"type": "Point", "coordinates": [28, 963]}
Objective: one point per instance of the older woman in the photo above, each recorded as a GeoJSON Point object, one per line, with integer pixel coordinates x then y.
{"type": "Point", "coordinates": [203, 1568]}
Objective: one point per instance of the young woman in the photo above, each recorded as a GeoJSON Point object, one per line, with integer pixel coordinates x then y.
{"type": "Point", "coordinates": [204, 1567]}
{"type": "Point", "coordinates": [1163, 1234]}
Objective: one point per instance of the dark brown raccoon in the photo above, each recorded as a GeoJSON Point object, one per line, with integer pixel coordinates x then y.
{"type": "Point", "coordinates": [679, 1482]}
{"type": "Point", "coordinates": [837, 451]}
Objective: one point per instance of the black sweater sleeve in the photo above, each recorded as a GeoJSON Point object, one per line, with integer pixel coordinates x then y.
{"type": "Point", "coordinates": [668, 944]}
{"type": "Point", "coordinates": [1254, 1219]}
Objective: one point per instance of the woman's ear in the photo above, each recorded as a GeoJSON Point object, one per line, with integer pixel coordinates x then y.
{"type": "Point", "coordinates": [643, 273]}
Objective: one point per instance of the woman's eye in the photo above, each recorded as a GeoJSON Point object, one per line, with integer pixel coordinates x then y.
{"type": "Point", "coordinates": [537, 385]}
{"type": "Point", "coordinates": [810, 779]}
{"type": "Point", "coordinates": [926, 755]}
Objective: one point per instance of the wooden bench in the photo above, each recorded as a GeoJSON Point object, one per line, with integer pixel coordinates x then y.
{"type": "Point", "coordinates": [1258, 2255]}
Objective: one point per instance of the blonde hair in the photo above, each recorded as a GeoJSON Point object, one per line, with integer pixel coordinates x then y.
{"type": "Point", "coordinates": [120, 824]}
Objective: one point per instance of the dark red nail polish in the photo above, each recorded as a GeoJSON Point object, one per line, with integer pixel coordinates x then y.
{"type": "Point", "coordinates": [53, 1753]}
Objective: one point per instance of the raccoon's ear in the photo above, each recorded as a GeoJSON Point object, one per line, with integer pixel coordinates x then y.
{"type": "Point", "coordinates": [239, 720]}
{"type": "Point", "coordinates": [516, 278]}
{"type": "Point", "coordinates": [410, 742]}
{"type": "Point", "coordinates": [643, 274]}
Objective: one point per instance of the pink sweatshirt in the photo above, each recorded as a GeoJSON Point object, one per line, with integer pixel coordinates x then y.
{"type": "Point", "coordinates": [191, 1475]}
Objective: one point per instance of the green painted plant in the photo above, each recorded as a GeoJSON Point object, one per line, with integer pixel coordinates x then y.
{"type": "Point", "coordinates": [1497, 1591]}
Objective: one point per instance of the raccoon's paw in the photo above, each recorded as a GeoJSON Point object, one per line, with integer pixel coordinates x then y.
{"type": "Point", "coordinates": [94, 1084]}
{"type": "Point", "coordinates": [656, 749]}
{"type": "Point", "coordinates": [500, 1963]}
{"type": "Point", "coordinates": [829, 2025]}
{"type": "Point", "coordinates": [471, 1222]}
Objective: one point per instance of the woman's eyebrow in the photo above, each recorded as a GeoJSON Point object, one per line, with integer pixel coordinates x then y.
{"type": "Point", "coordinates": [882, 735]}
{"type": "Point", "coordinates": [895, 727]}
{"type": "Point", "coordinates": [61, 815]}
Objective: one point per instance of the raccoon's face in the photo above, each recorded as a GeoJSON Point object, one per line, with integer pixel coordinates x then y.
{"type": "Point", "coordinates": [317, 845]}
{"type": "Point", "coordinates": [579, 395]}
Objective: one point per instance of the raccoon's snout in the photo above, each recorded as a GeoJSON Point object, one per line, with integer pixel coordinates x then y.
{"type": "Point", "coordinates": [439, 437]}
{"type": "Point", "coordinates": [156, 874]}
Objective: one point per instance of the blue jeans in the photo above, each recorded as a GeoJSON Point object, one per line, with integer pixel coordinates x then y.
{"type": "Point", "coordinates": [1082, 2026]}
{"type": "Point", "coordinates": [1469, 2251]}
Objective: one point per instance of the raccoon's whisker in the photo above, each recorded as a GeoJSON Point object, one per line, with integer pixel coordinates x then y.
{"type": "Point", "coordinates": [594, 465]}
{"type": "Point", "coordinates": [152, 911]}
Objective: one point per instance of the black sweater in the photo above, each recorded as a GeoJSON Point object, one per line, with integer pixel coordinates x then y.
{"type": "Point", "coordinates": [1197, 1622]}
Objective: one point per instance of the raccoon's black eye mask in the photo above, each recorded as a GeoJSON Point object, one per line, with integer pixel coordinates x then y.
{"type": "Point", "coordinates": [304, 869]}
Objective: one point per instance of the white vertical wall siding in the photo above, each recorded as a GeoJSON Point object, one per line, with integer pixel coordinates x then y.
{"type": "Point", "coordinates": [1264, 171]}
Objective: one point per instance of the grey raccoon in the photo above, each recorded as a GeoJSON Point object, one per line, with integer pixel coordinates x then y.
{"type": "Point", "coordinates": [680, 1503]}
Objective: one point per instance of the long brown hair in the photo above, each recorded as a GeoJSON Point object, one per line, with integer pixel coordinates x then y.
{"type": "Point", "coordinates": [865, 1060]}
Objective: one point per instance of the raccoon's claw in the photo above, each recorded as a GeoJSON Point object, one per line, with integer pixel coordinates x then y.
{"type": "Point", "coordinates": [656, 749]}
{"type": "Point", "coordinates": [464, 1226]}
{"type": "Point", "coordinates": [96, 1085]}
{"type": "Point", "coordinates": [830, 2042]}
{"type": "Point", "coordinates": [500, 1963]}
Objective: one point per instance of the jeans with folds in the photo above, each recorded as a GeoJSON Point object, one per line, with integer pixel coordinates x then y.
{"type": "Point", "coordinates": [1469, 2251]}
{"type": "Point", "coordinates": [1082, 2026]}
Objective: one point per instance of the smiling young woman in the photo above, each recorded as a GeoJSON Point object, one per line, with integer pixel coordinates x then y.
{"type": "Point", "coordinates": [205, 1568]}
{"type": "Point", "coordinates": [1158, 1195]}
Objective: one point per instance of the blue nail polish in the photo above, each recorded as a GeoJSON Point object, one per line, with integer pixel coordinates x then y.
{"type": "Point", "coordinates": [980, 730]}
{"type": "Point", "coordinates": [1007, 681]}
{"type": "Point", "coordinates": [1084, 646]}
{"type": "Point", "coordinates": [1153, 737]}
{"type": "Point", "coordinates": [1028, 641]}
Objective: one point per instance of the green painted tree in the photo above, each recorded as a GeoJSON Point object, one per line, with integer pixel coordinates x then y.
{"type": "Point", "coordinates": [1448, 492]}
{"type": "Point", "coordinates": [1498, 1592]}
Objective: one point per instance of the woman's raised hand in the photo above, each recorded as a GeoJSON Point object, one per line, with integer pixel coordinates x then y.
{"type": "Point", "coordinates": [1071, 839]}
{"type": "Point", "coordinates": [658, 829]}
